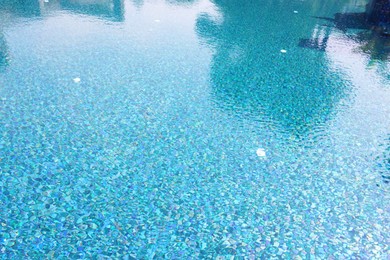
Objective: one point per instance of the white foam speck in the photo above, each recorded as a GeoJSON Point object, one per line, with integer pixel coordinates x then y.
{"type": "Point", "coordinates": [76, 80]}
{"type": "Point", "coordinates": [283, 51]}
{"type": "Point", "coordinates": [260, 152]}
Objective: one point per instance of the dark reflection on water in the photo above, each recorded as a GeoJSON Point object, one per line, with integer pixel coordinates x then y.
{"type": "Point", "coordinates": [25, 8]}
{"type": "Point", "coordinates": [110, 9]}
{"type": "Point", "coordinates": [107, 9]}
{"type": "Point", "coordinates": [137, 3]}
{"type": "Point", "coordinates": [371, 39]}
{"type": "Point", "coordinates": [319, 40]}
{"type": "Point", "coordinates": [186, 3]}
{"type": "Point", "coordinates": [372, 43]}
{"type": "Point", "coordinates": [182, 2]}
{"type": "Point", "coordinates": [4, 56]}
{"type": "Point", "coordinates": [251, 76]}
{"type": "Point", "coordinates": [345, 21]}
{"type": "Point", "coordinates": [384, 162]}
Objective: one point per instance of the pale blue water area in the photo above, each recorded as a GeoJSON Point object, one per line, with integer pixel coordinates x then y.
{"type": "Point", "coordinates": [193, 129]}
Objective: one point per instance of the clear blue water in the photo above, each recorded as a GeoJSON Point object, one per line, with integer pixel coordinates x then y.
{"type": "Point", "coordinates": [178, 129]}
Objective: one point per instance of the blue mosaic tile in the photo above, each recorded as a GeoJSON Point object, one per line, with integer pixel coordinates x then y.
{"type": "Point", "coordinates": [192, 129]}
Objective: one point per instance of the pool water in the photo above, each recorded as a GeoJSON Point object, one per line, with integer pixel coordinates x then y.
{"type": "Point", "coordinates": [186, 129]}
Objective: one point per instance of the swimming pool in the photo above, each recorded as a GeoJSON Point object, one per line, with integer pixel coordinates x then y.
{"type": "Point", "coordinates": [193, 129]}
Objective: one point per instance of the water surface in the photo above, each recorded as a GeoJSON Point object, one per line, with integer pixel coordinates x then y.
{"type": "Point", "coordinates": [131, 128]}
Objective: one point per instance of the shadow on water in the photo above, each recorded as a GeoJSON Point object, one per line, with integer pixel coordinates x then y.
{"type": "Point", "coordinates": [251, 77]}
{"type": "Point", "coordinates": [356, 27]}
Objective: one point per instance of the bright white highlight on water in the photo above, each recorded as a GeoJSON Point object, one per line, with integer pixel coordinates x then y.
{"type": "Point", "coordinates": [76, 80]}
{"type": "Point", "coordinates": [260, 152]}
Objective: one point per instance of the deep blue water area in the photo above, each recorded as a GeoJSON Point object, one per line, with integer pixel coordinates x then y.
{"type": "Point", "coordinates": [187, 129]}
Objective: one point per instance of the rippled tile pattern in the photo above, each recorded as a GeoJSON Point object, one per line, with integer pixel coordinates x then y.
{"type": "Point", "coordinates": [193, 129]}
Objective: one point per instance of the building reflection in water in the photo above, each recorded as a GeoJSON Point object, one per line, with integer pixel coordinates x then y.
{"type": "Point", "coordinates": [251, 77]}
{"type": "Point", "coordinates": [356, 27]}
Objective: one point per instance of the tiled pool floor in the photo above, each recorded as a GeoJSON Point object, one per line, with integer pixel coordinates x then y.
{"type": "Point", "coordinates": [192, 129]}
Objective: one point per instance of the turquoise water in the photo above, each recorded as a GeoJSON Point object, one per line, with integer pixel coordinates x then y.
{"type": "Point", "coordinates": [181, 130]}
